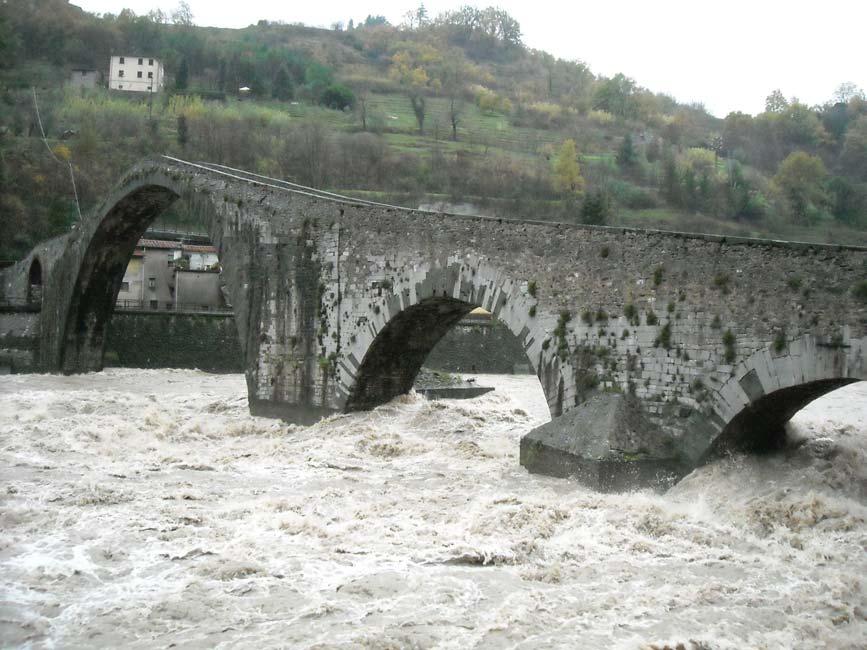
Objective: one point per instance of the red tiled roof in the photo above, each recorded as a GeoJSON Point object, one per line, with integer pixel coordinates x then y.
{"type": "Point", "coordinates": [158, 243]}
{"type": "Point", "coordinates": [174, 245]}
{"type": "Point", "coordinates": [198, 248]}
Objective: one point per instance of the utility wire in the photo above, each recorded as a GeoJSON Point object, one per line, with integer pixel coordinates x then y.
{"type": "Point", "coordinates": [53, 155]}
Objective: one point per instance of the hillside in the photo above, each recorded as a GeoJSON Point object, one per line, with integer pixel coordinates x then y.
{"type": "Point", "coordinates": [452, 108]}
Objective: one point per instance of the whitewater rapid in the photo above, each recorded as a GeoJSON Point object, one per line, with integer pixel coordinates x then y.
{"type": "Point", "coordinates": [145, 509]}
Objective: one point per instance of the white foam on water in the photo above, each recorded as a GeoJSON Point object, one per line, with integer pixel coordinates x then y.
{"type": "Point", "coordinates": [148, 508]}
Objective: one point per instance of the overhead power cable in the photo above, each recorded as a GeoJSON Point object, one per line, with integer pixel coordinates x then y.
{"type": "Point", "coordinates": [53, 155]}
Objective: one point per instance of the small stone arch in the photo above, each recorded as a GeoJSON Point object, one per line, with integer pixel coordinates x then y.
{"type": "Point", "coordinates": [391, 340]}
{"type": "Point", "coordinates": [34, 282]}
{"type": "Point", "coordinates": [751, 409]}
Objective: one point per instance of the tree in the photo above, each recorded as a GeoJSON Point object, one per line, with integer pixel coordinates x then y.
{"type": "Point", "coordinates": [183, 131]}
{"type": "Point", "coordinates": [626, 154]}
{"type": "Point", "coordinates": [375, 21]}
{"type": "Point", "coordinates": [776, 102]}
{"type": "Point", "coordinates": [183, 15]}
{"type": "Point", "coordinates": [283, 88]}
{"type": "Point", "coordinates": [847, 91]}
{"type": "Point", "coordinates": [567, 173]}
{"type": "Point", "coordinates": [453, 73]}
{"type": "Point", "coordinates": [337, 97]}
{"type": "Point", "coordinates": [410, 67]}
{"type": "Point", "coordinates": [737, 134]}
{"type": "Point", "coordinates": [317, 78]}
{"type": "Point", "coordinates": [596, 208]}
{"type": "Point", "coordinates": [615, 96]}
{"type": "Point", "coordinates": [800, 126]}
{"type": "Point", "coordinates": [848, 201]}
{"type": "Point", "coordinates": [362, 105]}
{"type": "Point", "coordinates": [481, 32]}
{"type": "Point", "coordinates": [854, 155]}
{"type": "Point", "coordinates": [801, 178]}
{"type": "Point", "coordinates": [416, 18]}
{"type": "Point", "coordinates": [183, 76]}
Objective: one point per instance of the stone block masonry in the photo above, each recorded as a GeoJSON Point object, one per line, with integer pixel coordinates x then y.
{"type": "Point", "coordinates": [173, 340]}
{"type": "Point", "coordinates": [337, 302]}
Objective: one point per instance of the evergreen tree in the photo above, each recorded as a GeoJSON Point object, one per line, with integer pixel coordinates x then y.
{"type": "Point", "coordinates": [283, 88]}
{"type": "Point", "coordinates": [183, 131]}
{"type": "Point", "coordinates": [626, 156]}
{"type": "Point", "coordinates": [183, 77]}
{"type": "Point", "coordinates": [596, 208]}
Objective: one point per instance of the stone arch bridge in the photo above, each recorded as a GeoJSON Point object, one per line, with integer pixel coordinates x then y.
{"type": "Point", "coordinates": [654, 349]}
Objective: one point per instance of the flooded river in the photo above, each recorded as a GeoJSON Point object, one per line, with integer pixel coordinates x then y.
{"type": "Point", "coordinates": [145, 509]}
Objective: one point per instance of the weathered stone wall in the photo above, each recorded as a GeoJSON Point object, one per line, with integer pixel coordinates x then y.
{"type": "Point", "coordinates": [479, 347]}
{"type": "Point", "coordinates": [19, 340]}
{"type": "Point", "coordinates": [173, 340]}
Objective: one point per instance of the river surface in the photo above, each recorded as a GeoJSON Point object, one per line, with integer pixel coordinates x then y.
{"type": "Point", "coordinates": [145, 509]}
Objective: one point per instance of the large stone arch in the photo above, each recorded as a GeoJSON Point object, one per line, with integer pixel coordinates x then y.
{"type": "Point", "coordinates": [80, 294]}
{"type": "Point", "coordinates": [749, 411]}
{"type": "Point", "coordinates": [396, 327]}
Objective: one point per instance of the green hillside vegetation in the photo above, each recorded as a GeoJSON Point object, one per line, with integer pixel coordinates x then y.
{"type": "Point", "coordinates": [453, 108]}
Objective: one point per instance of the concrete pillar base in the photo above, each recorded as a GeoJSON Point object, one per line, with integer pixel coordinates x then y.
{"type": "Point", "coordinates": [607, 444]}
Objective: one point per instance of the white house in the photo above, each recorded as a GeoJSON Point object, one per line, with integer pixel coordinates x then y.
{"type": "Point", "coordinates": [136, 73]}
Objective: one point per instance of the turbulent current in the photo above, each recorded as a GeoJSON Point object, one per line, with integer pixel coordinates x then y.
{"type": "Point", "coordinates": [148, 509]}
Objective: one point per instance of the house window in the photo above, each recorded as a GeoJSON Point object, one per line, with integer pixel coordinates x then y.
{"type": "Point", "coordinates": [152, 283]}
{"type": "Point", "coordinates": [155, 304]}
{"type": "Point", "coordinates": [121, 61]}
{"type": "Point", "coordinates": [140, 61]}
{"type": "Point", "coordinates": [150, 87]}
{"type": "Point", "coordinates": [124, 286]}
{"type": "Point", "coordinates": [150, 75]}
{"type": "Point", "coordinates": [120, 86]}
{"type": "Point", "coordinates": [139, 74]}
{"type": "Point", "coordinates": [150, 61]}
{"type": "Point", "coordinates": [120, 73]}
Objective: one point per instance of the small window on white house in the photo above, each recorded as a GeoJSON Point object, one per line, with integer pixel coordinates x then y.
{"type": "Point", "coordinates": [150, 61]}
{"type": "Point", "coordinates": [150, 87]}
{"type": "Point", "coordinates": [121, 61]}
{"type": "Point", "coordinates": [152, 283]}
{"type": "Point", "coordinates": [120, 73]}
{"type": "Point", "coordinates": [155, 304]}
{"type": "Point", "coordinates": [140, 61]}
{"type": "Point", "coordinates": [150, 75]}
{"type": "Point", "coordinates": [139, 74]}
{"type": "Point", "coordinates": [120, 86]}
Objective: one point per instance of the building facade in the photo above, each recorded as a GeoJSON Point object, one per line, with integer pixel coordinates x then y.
{"type": "Point", "coordinates": [83, 78]}
{"type": "Point", "coordinates": [165, 275]}
{"type": "Point", "coordinates": [136, 74]}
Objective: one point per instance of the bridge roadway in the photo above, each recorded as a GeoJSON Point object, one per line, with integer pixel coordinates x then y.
{"type": "Point", "coordinates": [656, 350]}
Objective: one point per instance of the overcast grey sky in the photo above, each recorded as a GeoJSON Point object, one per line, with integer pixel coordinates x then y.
{"type": "Point", "coordinates": [726, 55]}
